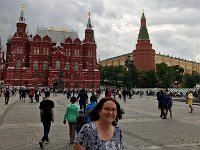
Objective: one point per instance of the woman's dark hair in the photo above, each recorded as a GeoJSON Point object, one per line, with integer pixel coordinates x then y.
{"type": "Point", "coordinates": [94, 115]}
{"type": "Point", "coordinates": [73, 99]}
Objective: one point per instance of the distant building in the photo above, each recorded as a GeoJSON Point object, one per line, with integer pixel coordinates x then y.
{"type": "Point", "coordinates": [145, 58]}
{"type": "Point", "coordinates": [51, 57]}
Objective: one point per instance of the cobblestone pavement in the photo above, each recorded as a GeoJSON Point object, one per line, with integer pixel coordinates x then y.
{"type": "Point", "coordinates": [143, 129]}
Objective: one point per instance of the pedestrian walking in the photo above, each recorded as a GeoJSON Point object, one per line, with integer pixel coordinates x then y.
{"type": "Point", "coordinates": [102, 133]}
{"type": "Point", "coordinates": [37, 94]}
{"type": "Point", "coordinates": [80, 121]}
{"type": "Point", "coordinates": [69, 92]}
{"type": "Point", "coordinates": [90, 107]}
{"type": "Point", "coordinates": [31, 94]}
{"type": "Point", "coordinates": [24, 92]}
{"type": "Point", "coordinates": [7, 95]}
{"type": "Point", "coordinates": [190, 101]}
{"type": "Point", "coordinates": [162, 103]}
{"type": "Point", "coordinates": [106, 92]}
{"type": "Point", "coordinates": [47, 116]}
{"type": "Point", "coordinates": [20, 93]}
{"type": "Point", "coordinates": [71, 114]}
{"type": "Point", "coordinates": [169, 104]}
{"type": "Point", "coordinates": [124, 94]}
{"type": "Point", "coordinates": [120, 94]}
{"type": "Point", "coordinates": [109, 92]}
{"type": "Point", "coordinates": [83, 99]}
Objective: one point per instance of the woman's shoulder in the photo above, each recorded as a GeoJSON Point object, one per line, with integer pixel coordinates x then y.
{"type": "Point", "coordinates": [89, 126]}
{"type": "Point", "coordinates": [117, 129]}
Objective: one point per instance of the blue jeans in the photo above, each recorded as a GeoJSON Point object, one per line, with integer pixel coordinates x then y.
{"type": "Point", "coordinates": [47, 126]}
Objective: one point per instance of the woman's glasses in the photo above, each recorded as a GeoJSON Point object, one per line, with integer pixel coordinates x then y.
{"type": "Point", "coordinates": [113, 110]}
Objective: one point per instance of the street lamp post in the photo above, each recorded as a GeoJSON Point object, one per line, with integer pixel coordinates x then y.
{"type": "Point", "coordinates": [176, 80]}
{"type": "Point", "coordinates": [129, 64]}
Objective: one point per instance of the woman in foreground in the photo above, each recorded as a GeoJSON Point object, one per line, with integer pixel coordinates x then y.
{"type": "Point", "coordinates": [102, 133]}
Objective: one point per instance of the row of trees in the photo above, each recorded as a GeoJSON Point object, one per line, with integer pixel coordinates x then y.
{"type": "Point", "coordinates": [164, 77]}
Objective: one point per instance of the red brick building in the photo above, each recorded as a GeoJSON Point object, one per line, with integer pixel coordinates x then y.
{"type": "Point", "coordinates": [53, 56]}
{"type": "Point", "coordinates": [144, 55]}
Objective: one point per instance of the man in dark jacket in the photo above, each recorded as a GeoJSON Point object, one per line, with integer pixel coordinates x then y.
{"type": "Point", "coordinates": [162, 102]}
{"type": "Point", "coordinates": [83, 99]}
{"type": "Point", "coordinates": [7, 95]}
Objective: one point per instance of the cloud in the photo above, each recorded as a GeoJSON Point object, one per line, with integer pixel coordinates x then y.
{"type": "Point", "coordinates": [173, 26]}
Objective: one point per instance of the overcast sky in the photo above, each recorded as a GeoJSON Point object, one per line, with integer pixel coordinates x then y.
{"type": "Point", "coordinates": [173, 25]}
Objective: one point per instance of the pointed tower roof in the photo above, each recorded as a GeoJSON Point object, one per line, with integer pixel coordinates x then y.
{"type": "Point", "coordinates": [21, 18]}
{"type": "Point", "coordinates": [143, 16]}
{"type": "Point", "coordinates": [143, 34]}
{"type": "Point", "coordinates": [89, 25]}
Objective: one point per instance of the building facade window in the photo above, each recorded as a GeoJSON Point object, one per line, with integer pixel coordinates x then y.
{"type": "Point", "coordinates": [76, 68]}
{"type": "Point", "coordinates": [18, 64]}
{"type": "Point", "coordinates": [47, 52]}
{"type": "Point", "coordinates": [90, 53]}
{"type": "Point", "coordinates": [57, 64]}
{"type": "Point", "coordinates": [89, 66]}
{"type": "Point", "coordinates": [45, 65]}
{"type": "Point", "coordinates": [38, 50]}
{"type": "Point", "coordinates": [67, 65]}
{"type": "Point", "coordinates": [68, 52]}
{"type": "Point", "coordinates": [35, 50]}
{"type": "Point", "coordinates": [44, 51]}
{"type": "Point", "coordinates": [35, 65]}
{"type": "Point", "coordinates": [76, 52]}
{"type": "Point", "coordinates": [19, 50]}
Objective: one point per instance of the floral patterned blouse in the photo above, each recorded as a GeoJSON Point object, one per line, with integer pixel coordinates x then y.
{"type": "Point", "coordinates": [88, 137]}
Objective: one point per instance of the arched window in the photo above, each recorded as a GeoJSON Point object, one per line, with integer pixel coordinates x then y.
{"type": "Point", "coordinates": [35, 65]}
{"type": "Point", "coordinates": [57, 64]}
{"type": "Point", "coordinates": [76, 68]}
{"type": "Point", "coordinates": [67, 65]}
{"type": "Point", "coordinates": [18, 64]}
{"type": "Point", "coordinates": [45, 65]}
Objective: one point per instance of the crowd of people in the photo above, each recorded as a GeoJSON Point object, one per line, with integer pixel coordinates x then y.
{"type": "Point", "coordinates": [92, 122]}
{"type": "Point", "coordinates": [165, 102]}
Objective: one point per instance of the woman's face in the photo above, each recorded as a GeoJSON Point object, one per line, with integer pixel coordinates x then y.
{"type": "Point", "coordinates": [108, 112]}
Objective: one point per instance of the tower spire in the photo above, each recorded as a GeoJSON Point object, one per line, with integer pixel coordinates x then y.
{"type": "Point", "coordinates": [21, 18]}
{"type": "Point", "coordinates": [89, 25]}
{"type": "Point", "coordinates": [143, 34]}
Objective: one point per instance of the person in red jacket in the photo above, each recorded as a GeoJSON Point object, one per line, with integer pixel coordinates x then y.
{"type": "Point", "coordinates": [109, 93]}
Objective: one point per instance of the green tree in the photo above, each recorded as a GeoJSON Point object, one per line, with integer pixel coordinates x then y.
{"type": "Point", "coordinates": [147, 79]}
{"type": "Point", "coordinates": [164, 75]}
{"type": "Point", "coordinates": [189, 81]}
{"type": "Point", "coordinates": [110, 75]}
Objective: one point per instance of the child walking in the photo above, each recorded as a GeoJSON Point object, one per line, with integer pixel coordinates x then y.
{"type": "Point", "coordinates": [80, 121]}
